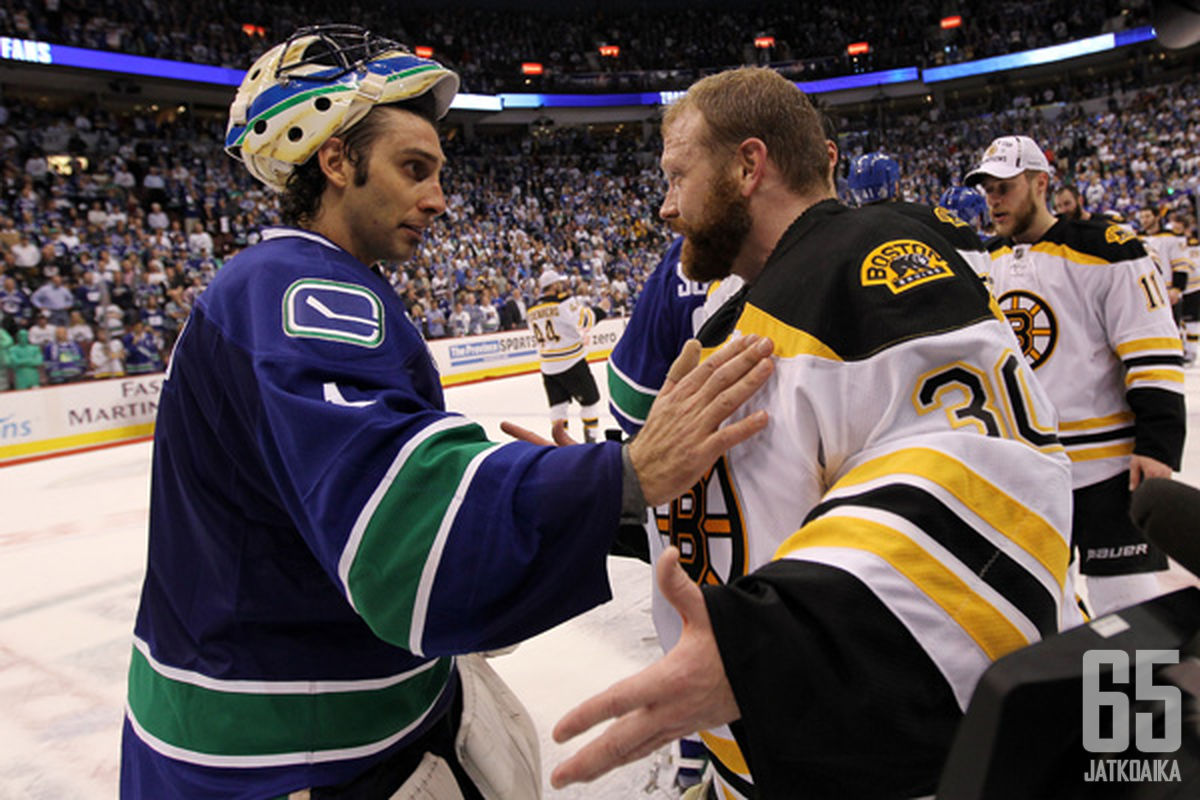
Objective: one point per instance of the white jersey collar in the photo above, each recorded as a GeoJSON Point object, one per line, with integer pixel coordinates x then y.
{"type": "Point", "coordinates": [296, 233]}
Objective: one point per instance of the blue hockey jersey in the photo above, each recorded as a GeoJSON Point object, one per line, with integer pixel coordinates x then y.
{"type": "Point", "coordinates": [667, 314]}
{"type": "Point", "coordinates": [324, 536]}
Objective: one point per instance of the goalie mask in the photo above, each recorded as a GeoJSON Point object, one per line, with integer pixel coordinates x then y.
{"type": "Point", "coordinates": [317, 84]}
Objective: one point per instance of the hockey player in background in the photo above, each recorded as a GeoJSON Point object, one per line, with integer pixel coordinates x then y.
{"type": "Point", "coordinates": [1068, 204]}
{"type": "Point", "coordinates": [326, 540]}
{"type": "Point", "coordinates": [968, 205]}
{"type": "Point", "coordinates": [560, 322]}
{"type": "Point", "coordinates": [875, 178]}
{"type": "Point", "coordinates": [846, 577]}
{"type": "Point", "coordinates": [1092, 315]}
{"type": "Point", "coordinates": [1169, 250]}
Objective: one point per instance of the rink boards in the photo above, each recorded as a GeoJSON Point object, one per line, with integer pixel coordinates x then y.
{"type": "Point", "coordinates": [52, 420]}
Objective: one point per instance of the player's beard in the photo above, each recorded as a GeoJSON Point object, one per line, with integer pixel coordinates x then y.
{"type": "Point", "coordinates": [711, 245]}
{"type": "Point", "coordinates": [1022, 219]}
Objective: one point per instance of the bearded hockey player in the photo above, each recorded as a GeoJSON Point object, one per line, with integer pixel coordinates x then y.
{"type": "Point", "coordinates": [847, 577]}
{"type": "Point", "coordinates": [326, 541]}
{"type": "Point", "coordinates": [1091, 312]}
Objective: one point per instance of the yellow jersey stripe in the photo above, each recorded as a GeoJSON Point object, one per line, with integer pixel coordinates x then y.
{"type": "Point", "coordinates": [1022, 525]}
{"type": "Point", "coordinates": [1096, 453]}
{"type": "Point", "coordinates": [726, 751]}
{"type": "Point", "coordinates": [789, 341]}
{"type": "Point", "coordinates": [1173, 375]}
{"type": "Point", "coordinates": [1070, 254]}
{"type": "Point", "coordinates": [1121, 418]}
{"type": "Point", "coordinates": [1060, 250]}
{"type": "Point", "coordinates": [1142, 345]}
{"type": "Point", "coordinates": [564, 351]}
{"type": "Point", "coordinates": [995, 634]}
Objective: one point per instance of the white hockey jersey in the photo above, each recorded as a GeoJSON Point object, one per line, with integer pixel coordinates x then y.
{"type": "Point", "coordinates": [560, 324]}
{"type": "Point", "coordinates": [1170, 254]}
{"type": "Point", "coordinates": [1090, 311]}
{"type": "Point", "coordinates": [901, 523]}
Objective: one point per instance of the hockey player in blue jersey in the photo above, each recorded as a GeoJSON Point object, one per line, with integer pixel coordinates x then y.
{"type": "Point", "coordinates": [669, 311]}
{"type": "Point", "coordinates": [326, 540]}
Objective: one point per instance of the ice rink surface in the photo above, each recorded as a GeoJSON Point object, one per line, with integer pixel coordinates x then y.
{"type": "Point", "coordinates": [72, 553]}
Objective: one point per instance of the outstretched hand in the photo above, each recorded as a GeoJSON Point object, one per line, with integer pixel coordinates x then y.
{"type": "Point", "coordinates": [684, 691]}
{"type": "Point", "coordinates": [683, 436]}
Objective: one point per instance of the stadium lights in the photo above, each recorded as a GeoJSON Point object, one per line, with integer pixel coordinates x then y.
{"type": "Point", "coordinates": [610, 50]}
{"type": "Point", "coordinates": [764, 42]}
{"type": "Point", "coordinates": [424, 51]}
{"type": "Point", "coordinates": [858, 48]}
{"type": "Point", "coordinates": [532, 68]}
{"type": "Point", "coordinates": [951, 22]}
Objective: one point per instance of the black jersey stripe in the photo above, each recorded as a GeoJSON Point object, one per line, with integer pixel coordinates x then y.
{"type": "Point", "coordinates": [740, 784]}
{"type": "Point", "coordinates": [1164, 360]}
{"type": "Point", "coordinates": [940, 523]}
{"type": "Point", "coordinates": [1093, 438]}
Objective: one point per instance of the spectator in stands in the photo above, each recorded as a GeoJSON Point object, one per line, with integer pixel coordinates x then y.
{"type": "Point", "coordinates": [200, 242]}
{"type": "Point", "coordinates": [80, 331]}
{"type": "Point", "coordinates": [63, 358]}
{"type": "Point", "coordinates": [143, 350]}
{"type": "Point", "coordinates": [26, 255]}
{"type": "Point", "coordinates": [54, 298]}
{"type": "Point", "coordinates": [25, 359]}
{"type": "Point", "coordinates": [6, 343]}
{"type": "Point", "coordinates": [474, 313]}
{"type": "Point", "coordinates": [41, 333]}
{"type": "Point", "coordinates": [107, 356]}
{"type": "Point", "coordinates": [435, 322]}
{"type": "Point", "coordinates": [97, 217]}
{"type": "Point", "coordinates": [491, 317]}
{"type": "Point", "coordinates": [14, 305]}
{"type": "Point", "coordinates": [460, 320]}
{"type": "Point", "coordinates": [157, 219]}
{"type": "Point", "coordinates": [417, 314]}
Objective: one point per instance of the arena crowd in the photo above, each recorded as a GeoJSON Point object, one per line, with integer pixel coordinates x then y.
{"type": "Point", "coordinates": [111, 225]}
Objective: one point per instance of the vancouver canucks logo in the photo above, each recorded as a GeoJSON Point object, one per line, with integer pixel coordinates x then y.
{"type": "Point", "coordinates": [706, 524]}
{"type": "Point", "coordinates": [902, 264]}
{"type": "Point", "coordinates": [338, 312]}
{"type": "Point", "coordinates": [1033, 322]}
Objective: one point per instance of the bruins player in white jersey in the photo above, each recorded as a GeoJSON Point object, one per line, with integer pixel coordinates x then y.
{"type": "Point", "coordinates": [560, 323]}
{"type": "Point", "coordinates": [1170, 253]}
{"type": "Point", "coordinates": [1092, 314]}
{"type": "Point", "coordinates": [904, 521]}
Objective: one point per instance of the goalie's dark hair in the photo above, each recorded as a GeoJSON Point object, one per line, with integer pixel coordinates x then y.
{"type": "Point", "coordinates": [300, 201]}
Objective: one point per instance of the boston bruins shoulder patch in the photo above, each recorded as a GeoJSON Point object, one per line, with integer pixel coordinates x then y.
{"type": "Point", "coordinates": [902, 264]}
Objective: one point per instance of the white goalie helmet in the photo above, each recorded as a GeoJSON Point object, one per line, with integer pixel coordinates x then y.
{"type": "Point", "coordinates": [317, 84]}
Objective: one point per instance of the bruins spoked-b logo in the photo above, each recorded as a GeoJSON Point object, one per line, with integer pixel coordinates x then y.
{"type": "Point", "coordinates": [902, 264]}
{"type": "Point", "coordinates": [1033, 322]}
{"type": "Point", "coordinates": [705, 523]}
